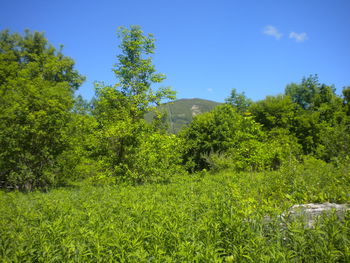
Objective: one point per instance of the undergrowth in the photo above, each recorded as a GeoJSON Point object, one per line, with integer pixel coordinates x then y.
{"type": "Point", "coordinates": [201, 218]}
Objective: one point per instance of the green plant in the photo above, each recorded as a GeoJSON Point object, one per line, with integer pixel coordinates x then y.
{"type": "Point", "coordinates": [157, 158]}
{"type": "Point", "coordinates": [126, 144]}
{"type": "Point", "coordinates": [220, 130]}
{"type": "Point", "coordinates": [37, 84]}
{"type": "Point", "coordinates": [221, 217]}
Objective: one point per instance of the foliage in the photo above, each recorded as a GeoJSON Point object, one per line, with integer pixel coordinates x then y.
{"type": "Point", "coordinates": [311, 125]}
{"type": "Point", "coordinates": [76, 162]}
{"type": "Point", "coordinates": [305, 93]}
{"type": "Point", "coordinates": [36, 95]}
{"type": "Point", "coordinates": [48, 136]}
{"type": "Point", "coordinates": [122, 134]}
{"type": "Point", "coordinates": [275, 150]}
{"type": "Point", "coordinates": [217, 131]}
{"type": "Point", "coordinates": [311, 112]}
{"type": "Point", "coordinates": [157, 158]}
{"type": "Point", "coordinates": [346, 99]}
{"type": "Point", "coordinates": [225, 139]}
{"type": "Point", "coordinates": [226, 217]}
{"type": "Point", "coordinates": [136, 72]}
{"type": "Point", "coordinates": [274, 112]}
{"type": "Point", "coordinates": [335, 143]}
{"type": "Point", "coordinates": [239, 101]}
{"type": "Point", "coordinates": [148, 155]}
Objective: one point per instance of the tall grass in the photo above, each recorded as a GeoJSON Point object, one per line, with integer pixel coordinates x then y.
{"type": "Point", "coordinates": [202, 218]}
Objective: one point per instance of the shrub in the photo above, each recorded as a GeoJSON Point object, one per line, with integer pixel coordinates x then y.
{"type": "Point", "coordinates": [224, 139]}
{"type": "Point", "coordinates": [157, 158]}
{"type": "Point", "coordinates": [217, 132]}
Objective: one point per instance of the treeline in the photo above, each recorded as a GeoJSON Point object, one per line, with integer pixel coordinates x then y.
{"type": "Point", "coordinates": [309, 119]}
{"type": "Point", "coordinates": [50, 137]}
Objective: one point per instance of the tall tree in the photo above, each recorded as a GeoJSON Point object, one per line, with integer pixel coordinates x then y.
{"type": "Point", "coordinates": [304, 94]}
{"type": "Point", "coordinates": [133, 95]}
{"type": "Point", "coordinates": [37, 84]}
{"type": "Point", "coordinates": [136, 73]}
{"type": "Point", "coordinates": [120, 109]}
{"type": "Point", "coordinates": [320, 111]}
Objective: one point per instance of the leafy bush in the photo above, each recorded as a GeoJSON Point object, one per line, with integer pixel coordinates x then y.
{"type": "Point", "coordinates": [76, 161]}
{"type": "Point", "coordinates": [335, 143]}
{"type": "Point", "coordinates": [217, 132]}
{"type": "Point", "coordinates": [254, 155]}
{"type": "Point", "coordinates": [224, 139]}
{"type": "Point", "coordinates": [157, 158]}
{"type": "Point", "coordinates": [274, 112]}
{"type": "Point", "coordinates": [137, 152]}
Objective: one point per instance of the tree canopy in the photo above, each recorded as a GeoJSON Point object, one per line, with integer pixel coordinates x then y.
{"type": "Point", "coordinates": [136, 73]}
{"type": "Point", "coordinates": [49, 135]}
{"type": "Point", "coordinates": [37, 84]}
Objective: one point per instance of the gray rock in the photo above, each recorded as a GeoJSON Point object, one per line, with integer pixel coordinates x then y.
{"type": "Point", "coordinates": [310, 212]}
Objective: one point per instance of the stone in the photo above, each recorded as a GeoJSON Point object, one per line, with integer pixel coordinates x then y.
{"type": "Point", "coordinates": [310, 212]}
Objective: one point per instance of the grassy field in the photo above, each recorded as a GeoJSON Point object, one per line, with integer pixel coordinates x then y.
{"type": "Point", "coordinates": [201, 218]}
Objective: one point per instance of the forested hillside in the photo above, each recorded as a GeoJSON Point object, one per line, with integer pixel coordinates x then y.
{"type": "Point", "coordinates": [129, 179]}
{"type": "Point", "coordinates": [180, 113]}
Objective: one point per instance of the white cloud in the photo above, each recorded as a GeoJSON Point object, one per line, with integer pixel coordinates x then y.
{"type": "Point", "coordinates": [209, 89]}
{"type": "Point", "coordinates": [298, 37]}
{"type": "Point", "coordinates": [272, 31]}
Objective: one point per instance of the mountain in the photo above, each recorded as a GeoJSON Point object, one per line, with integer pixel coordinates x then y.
{"type": "Point", "coordinates": [181, 112]}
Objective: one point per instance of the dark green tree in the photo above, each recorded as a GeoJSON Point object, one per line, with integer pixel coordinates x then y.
{"type": "Point", "coordinates": [346, 99]}
{"type": "Point", "coordinates": [320, 111]}
{"type": "Point", "coordinates": [239, 101]}
{"type": "Point", "coordinates": [310, 94]}
{"type": "Point", "coordinates": [334, 142]}
{"type": "Point", "coordinates": [304, 93]}
{"type": "Point", "coordinates": [274, 112]}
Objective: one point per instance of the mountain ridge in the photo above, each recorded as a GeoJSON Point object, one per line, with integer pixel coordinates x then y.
{"type": "Point", "coordinates": [181, 112]}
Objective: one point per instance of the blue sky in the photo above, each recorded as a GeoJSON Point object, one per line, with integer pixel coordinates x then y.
{"type": "Point", "coordinates": [205, 48]}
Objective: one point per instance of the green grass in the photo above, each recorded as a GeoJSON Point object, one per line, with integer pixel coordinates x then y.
{"type": "Point", "coordinates": [201, 218]}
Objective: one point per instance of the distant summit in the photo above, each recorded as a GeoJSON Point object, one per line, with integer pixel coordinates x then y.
{"type": "Point", "coordinates": [181, 112]}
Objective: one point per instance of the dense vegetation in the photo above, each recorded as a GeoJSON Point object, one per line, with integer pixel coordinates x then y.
{"type": "Point", "coordinates": [202, 218]}
{"type": "Point", "coordinates": [37, 84]}
{"type": "Point", "coordinates": [120, 188]}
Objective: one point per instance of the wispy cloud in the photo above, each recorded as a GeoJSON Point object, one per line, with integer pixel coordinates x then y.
{"type": "Point", "coordinates": [301, 37]}
{"type": "Point", "coordinates": [272, 31]}
{"type": "Point", "coordinates": [209, 89]}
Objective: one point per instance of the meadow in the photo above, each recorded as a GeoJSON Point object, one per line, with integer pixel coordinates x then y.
{"type": "Point", "coordinates": [93, 181]}
{"type": "Point", "coordinates": [204, 217]}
